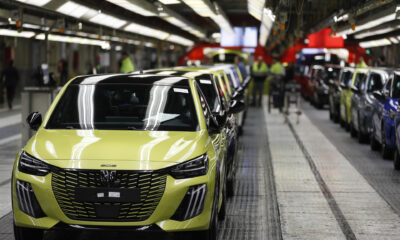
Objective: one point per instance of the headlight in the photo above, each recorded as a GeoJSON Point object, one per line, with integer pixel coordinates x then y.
{"type": "Point", "coordinates": [192, 168]}
{"type": "Point", "coordinates": [30, 165]}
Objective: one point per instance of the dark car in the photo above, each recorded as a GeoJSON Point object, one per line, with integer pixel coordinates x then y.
{"type": "Point", "coordinates": [384, 106]}
{"type": "Point", "coordinates": [321, 84]}
{"type": "Point", "coordinates": [334, 92]}
{"type": "Point", "coordinates": [362, 101]}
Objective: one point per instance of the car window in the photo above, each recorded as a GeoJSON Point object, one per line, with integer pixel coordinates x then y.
{"type": "Point", "coordinates": [205, 107]}
{"type": "Point", "coordinates": [207, 87]}
{"type": "Point", "coordinates": [387, 87]}
{"type": "Point", "coordinates": [359, 82]}
{"type": "Point", "coordinates": [396, 87]}
{"type": "Point", "coordinates": [344, 77]}
{"type": "Point", "coordinates": [375, 82]}
{"type": "Point", "coordinates": [149, 107]}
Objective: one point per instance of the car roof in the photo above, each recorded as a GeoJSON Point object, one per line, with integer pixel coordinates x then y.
{"type": "Point", "coordinates": [130, 79]}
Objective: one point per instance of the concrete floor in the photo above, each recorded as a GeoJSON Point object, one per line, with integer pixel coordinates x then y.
{"type": "Point", "coordinates": [306, 181]}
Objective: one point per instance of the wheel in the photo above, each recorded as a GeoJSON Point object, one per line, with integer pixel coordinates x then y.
{"type": "Point", "coordinates": [374, 143]}
{"type": "Point", "coordinates": [21, 233]}
{"type": "Point", "coordinates": [360, 136]}
{"type": "Point", "coordinates": [385, 150]}
{"type": "Point", "coordinates": [230, 188]}
{"type": "Point", "coordinates": [222, 210]}
{"type": "Point", "coordinates": [396, 160]}
{"type": "Point", "coordinates": [211, 233]}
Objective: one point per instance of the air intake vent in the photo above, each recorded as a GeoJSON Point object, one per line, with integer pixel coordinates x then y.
{"type": "Point", "coordinates": [192, 204]}
{"type": "Point", "coordinates": [27, 201]}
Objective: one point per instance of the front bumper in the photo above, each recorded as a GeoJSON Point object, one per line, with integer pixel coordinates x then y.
{"type": "Point", "coordinates": [160, 219]}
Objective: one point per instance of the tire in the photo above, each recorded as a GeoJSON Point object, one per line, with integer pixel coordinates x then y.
{"type": "Point", "coordinates": [396, 160]}
{"type": "Point", "coordinates": [361, 137]}
{"type": "Point", "coordinates": [385, 150]}
{"type": "Point", "coordinates": [230, 188]}
{"type": "Point", "coordinates": [212, 232]}
{"type": "Point", "coordinates": [21, 233]}
{"type": "Point", "coordinates": [222, 211]}
{"type": "Point", "coordinates": [374, 143]}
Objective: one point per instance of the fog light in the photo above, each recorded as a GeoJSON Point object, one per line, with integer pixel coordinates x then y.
{"type": "Point", "coordinates": [192, 204]}
{"type": "Point", "coordinates": [27, 201]}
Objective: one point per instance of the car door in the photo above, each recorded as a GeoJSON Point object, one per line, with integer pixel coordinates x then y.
{"type": "Point", "coordinates": [380, 114]}
{"type": "Point", "coordinates": [218, 140]}
{"type": "Point", "coordinates": [359, 85]}
{"type": "Point", "coordinates": [391, 106]}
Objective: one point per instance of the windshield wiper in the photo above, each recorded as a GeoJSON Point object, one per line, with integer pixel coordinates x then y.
{"type": "Point", "coordinates": [131, 128]}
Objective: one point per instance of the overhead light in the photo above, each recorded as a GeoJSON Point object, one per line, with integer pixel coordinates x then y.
{"type": "Point", "coordinates": [378, 18]}
{"type": "Point", "coordinates": [149, 44]}
{"type": "Point", "coordinates": [78, 40]}
{"type": "Point", "coordinates": [375, 43]}
{"type": "Point", "coordinates": [38, 3]}
{"type": "Point", "coordinates": [376, 32]}
{"type": "Point", "coordinates": [167, 2]}
{"type": "Point", "coordinates": [268, 20]}
{"type": "Point", "coordinates": [202, 7]}
{"type": "Point", "coordinates": [255, 8]}
{"type": "Point", "coordinates": [394, 40]}
{"type": "Point", "coordinates": [180, 40]}
{"type": "Point", "coordinates": [14, 33]}
{"type": "Point", "coordinates": [75, 10]}
{"type": "Point", "coordinates": [344, 17]}
{"type": "Point", "coordinates": [147, 31]}
{"type": "Point", "coordinates": [221, 20]}
{"type": "Point", "coordinates": [179, 21]}
{"type": "Point", "coordinates": [107, 20]}
{"type": "Point", "coordinates": [137, 6]}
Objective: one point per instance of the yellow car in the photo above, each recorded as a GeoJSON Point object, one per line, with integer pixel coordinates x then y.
{"type": "Point", "coordinates": [228, 56]}
{"type": "Point", "coordinates": [346, 84]}
{"type": "Point", "coordinates": [140, 152]}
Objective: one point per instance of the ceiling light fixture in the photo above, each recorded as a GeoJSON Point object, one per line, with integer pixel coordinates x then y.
{"type": "Point", "coordinates": [107, 20]}
{"type": "Point", "coordinates": [177, 20]}
{"type": "Point", "coordinates": [79, 40]}
{"type": "Point", "coordinates": [268, 20]}
{"type": "Point", "coordinates": [375, 43]}
{"type": "Point", "coordinates": [14, 33]}
{"type": "Point", "coordinates": [180, 40]}
{"type": "Point", "coordinates": [147, 31]}
{"type": "Point", "coordinates": [38, 3]}
{"type": "Point", "coordinates": [75, 10]}
{"type": "Point", "coordinates": [167, 2]}
{"type": "Point", "coordinates": [256, 8]}
{"type": "Point", "coordinates": [137, 6]}
{"type": "Point", "coordinates": [222, 20]}
{"type": "Point", "coordinates": [202, 7]}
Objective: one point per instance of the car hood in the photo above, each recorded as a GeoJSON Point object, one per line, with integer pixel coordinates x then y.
{"type": "Point", "coordinates": [96, 149]}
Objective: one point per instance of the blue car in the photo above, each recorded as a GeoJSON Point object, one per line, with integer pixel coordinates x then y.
{"type": "Point", "coordinates": [383, 116]}
{"type": "Point", "coordinates": [363, 100]}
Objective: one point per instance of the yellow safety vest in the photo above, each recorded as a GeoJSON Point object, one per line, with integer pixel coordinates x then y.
{"type": "Point", "coordinates": [127, 66]}
{"type": "Point", "coordinates": [260, 69]}
{"type": "Point", "coordinates": [276, 68]}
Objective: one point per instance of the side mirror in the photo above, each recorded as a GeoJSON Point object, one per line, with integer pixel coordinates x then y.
{"type": "Point", "coordinates": [238, 95]}
{"type": "Point", "coordinates": [34, 120]}
{"type": "Point", "coordinates": [355, 89]}
{"type": "Point", "coordinates": [331, 82]}
{"type": "Point", "coordinates": [342, 85]}
{"type": "Point", "coordinates": [220, 117]}
{"type": "Point", "coordinates": [236, 107]}
{"type": "Point", "coordinates": [378, 95]}
{"type": "Point", "coordinates": [215, 127]}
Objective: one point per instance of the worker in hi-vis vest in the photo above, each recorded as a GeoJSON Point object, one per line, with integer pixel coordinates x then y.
{"type": "Point", "coordinates": [126, 63]}
{"type": "Point", "coordinates": [259, 72]}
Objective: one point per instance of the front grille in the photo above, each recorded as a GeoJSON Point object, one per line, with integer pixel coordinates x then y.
{"type": "Point", "coordinates": [150, 184]}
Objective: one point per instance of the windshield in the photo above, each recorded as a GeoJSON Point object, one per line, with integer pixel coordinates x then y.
{"type": "Point", "coordinates": [148, 107]}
